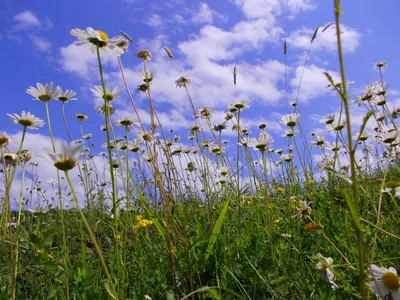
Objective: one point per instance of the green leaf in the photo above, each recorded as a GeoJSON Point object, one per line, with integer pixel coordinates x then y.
{"type": "Point", "coordinates": [216, 230]}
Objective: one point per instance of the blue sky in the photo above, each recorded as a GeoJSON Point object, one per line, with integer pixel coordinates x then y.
{"type": "Point", "coordinates": [207, 38]}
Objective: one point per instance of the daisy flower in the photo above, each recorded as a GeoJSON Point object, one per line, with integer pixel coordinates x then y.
{"type": "Point", "coordinates": [239, 105]}
{"type": "Point", "coordinates": [325, 265]}
{"type": "Point", "coordinates": [26, 155]}
{"type": "Point", "coordinates": [27, 120]}
{"type": "Point", "coordinates": [43, 92]}
{"type": "Point", "coordinates": [223, 171]}
{"type": "Point", "coordinates": [65, 96]}
{"type": "Point", "coordinates": [101, 109]}
{"type": "Point", "coordinates": [10, 158]}
{"type": "Point", "coordinates": [4, 139]}
{"type": "Point", "coordinates": [183, 81]}
{"type": "Point", "coordinates": [385, 282]}
{"type": "Point", "coordinates": [144, 54]}
{"type": "Point", "coordinates": [263, 141]}
{"type": "Point", "coordinates": [286, 157]}
{"type": "Point", "coordinates": [127, 122]}
{"type": "Point", "coordinates": [305, 209]}
{"type": "Point", "coordinates": [107, 94]}
{"type": "Point", "coordinates": [290, 133]}
{"type": "Point", "coordinates": [328, 119]}
{"type": "Point", "coordinates": [379, 64]}
{"type": "Point", "coordinates": [205, 112]}
{"type": "Point", "coordinates": [96, 38]}
{"type": "Point", "coordinates": [122, 43]}
{"type": "Point", "coordinates": [290, 120]}
{"type": "Point", "coordinates": [65, 156]}
{"type": "Point", "coordinates": [81, 117]}
{"type": "Point", "coordinates": [145, 136]}
{"type": "Point", "coordinates": [319, 141]}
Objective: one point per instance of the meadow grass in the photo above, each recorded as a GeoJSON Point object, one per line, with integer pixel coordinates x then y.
{"type": "Point", "coordinates": [163, 218]}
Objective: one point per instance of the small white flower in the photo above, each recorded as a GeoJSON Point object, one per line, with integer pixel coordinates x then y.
{"type": "Point", "coordinates": [27, 120]}
{"type": "Point", "coordinates": [81, 117]}
{"type": "Point", "coordinates": [325, 265]}
{"type": "Point", "coordinates": [51, 181]}
{"type": "Point", "coordinates": [290, 120]}
{"type": "Point", "coordinates": [66, 156]}
{"type": "Point", "coordinates": [239, 105]}
{"type": "Point", "coordinates": [397, 192]}
{"type": "Point", "coordinates": [263, 141]}
{"type": "Point", "coordinates": [127, 122]}
{"type": "Point", "coordinates": [96, 38]}
{"type": "Point", "coordinates": [4, 139]}
{"type": "Point", "coordinates": [385, 282]}
{"type": "Point", "coordinates": [183, 81]}
{"type": "Point", "coordinates": [328, 119]}
{"type": "Point", "coordinates": [106, 94]}
{"type": "Point", "coordinates": [223, 171]}
{"type": "Point", "coordinates": [44, 92]}
{"type": "Point", "coordinates": [67, 95]}
{"type": "Point", "coordinates": [305, 209]}
{"type": "Point", "coordinates": [286, 157]}
{"type": "Point", "coordinates": [87, 136]}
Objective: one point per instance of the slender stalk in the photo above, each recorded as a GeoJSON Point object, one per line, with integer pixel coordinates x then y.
{"type": "Point", "coordinates": [60, 202]}
{"type": "Point", "coordinates": [355, 196]}
{"type": "Point", "coordinates": [8, 203]}
{"type": "Point", "coordinates": [91, 236]}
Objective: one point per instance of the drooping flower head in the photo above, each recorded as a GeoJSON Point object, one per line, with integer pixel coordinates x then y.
{"type": "Point", "coordinates": [325, 265]}
{"type": "Point", "coordinates": [183, 81]}
{"type": "Point", "coordinates": [43, 92]}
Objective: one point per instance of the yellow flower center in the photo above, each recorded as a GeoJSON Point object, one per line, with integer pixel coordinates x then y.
{"type": "Point", "coordinates": [65, 164]}
{"type": "Point", "coordinates": [44, 97]}
{"type": "Point", "coordinates": [25, 122]}
{"type": "Point", "coordinates": [63, 98]}
{"type": "Point", "coordinates": [108, 97]}
{"type": "Point", "coordinates": [3, 140]}
{"type": "Point", "coordinates": [391, 281]}
{"type": "Point", "coordinates": [103, 35]}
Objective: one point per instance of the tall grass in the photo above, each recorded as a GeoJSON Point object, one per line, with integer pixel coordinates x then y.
{"type": "Point", "coordinates": [172, 219]}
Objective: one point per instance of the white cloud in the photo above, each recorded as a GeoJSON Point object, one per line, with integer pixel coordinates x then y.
{"type": "Point", "coordinates": [40, 43]}
{"type": "Point", "coordinates": [314, 83]}
{"type": "Point", "coordinates": [325, 41]}
{"type": "Point", "coordinates": [272, 8]}
{"type": "Point", "coordinates": [154, 21]}
{"type": "Point", "coordinates": [26, 20]}
{"type": "Point", "coordinates": [81, 61]}
{"type": "Point", "coordinates": [204, 15]}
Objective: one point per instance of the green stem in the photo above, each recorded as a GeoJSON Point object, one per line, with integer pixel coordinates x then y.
{"type": "Point", "coordinates": [60, 201]}
{"type": "Point", "coordinates": [355, 195]}
{"type": "Point", "coordinates": [92, 238]}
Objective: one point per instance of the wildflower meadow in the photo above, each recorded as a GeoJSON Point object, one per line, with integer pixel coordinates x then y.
{"type": "Point", "coordinates": [138, 209]}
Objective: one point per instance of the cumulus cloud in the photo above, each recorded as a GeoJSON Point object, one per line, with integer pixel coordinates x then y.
{"type": "Point", "coordinates": [313, 82]}
{"type": "Point", "coordinates": [325, 40]}
{"type": "Point", "coordinates": [206, 15]}
{"type": "Point", "coordinates": [272, 8]}
{"type": "Point", "coordinates": [154, 21]}
{"type": "Point", "coordinates": [40, 43]}
{"type": "Point", "coordinates": [26, 20]}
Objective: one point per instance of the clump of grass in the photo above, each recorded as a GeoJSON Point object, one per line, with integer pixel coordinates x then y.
{"type": "Point", "coordinates": [171, 219]}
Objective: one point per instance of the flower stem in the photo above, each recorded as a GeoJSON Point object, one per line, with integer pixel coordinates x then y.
{"type": "Point", "coordinates": [91, 236]}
